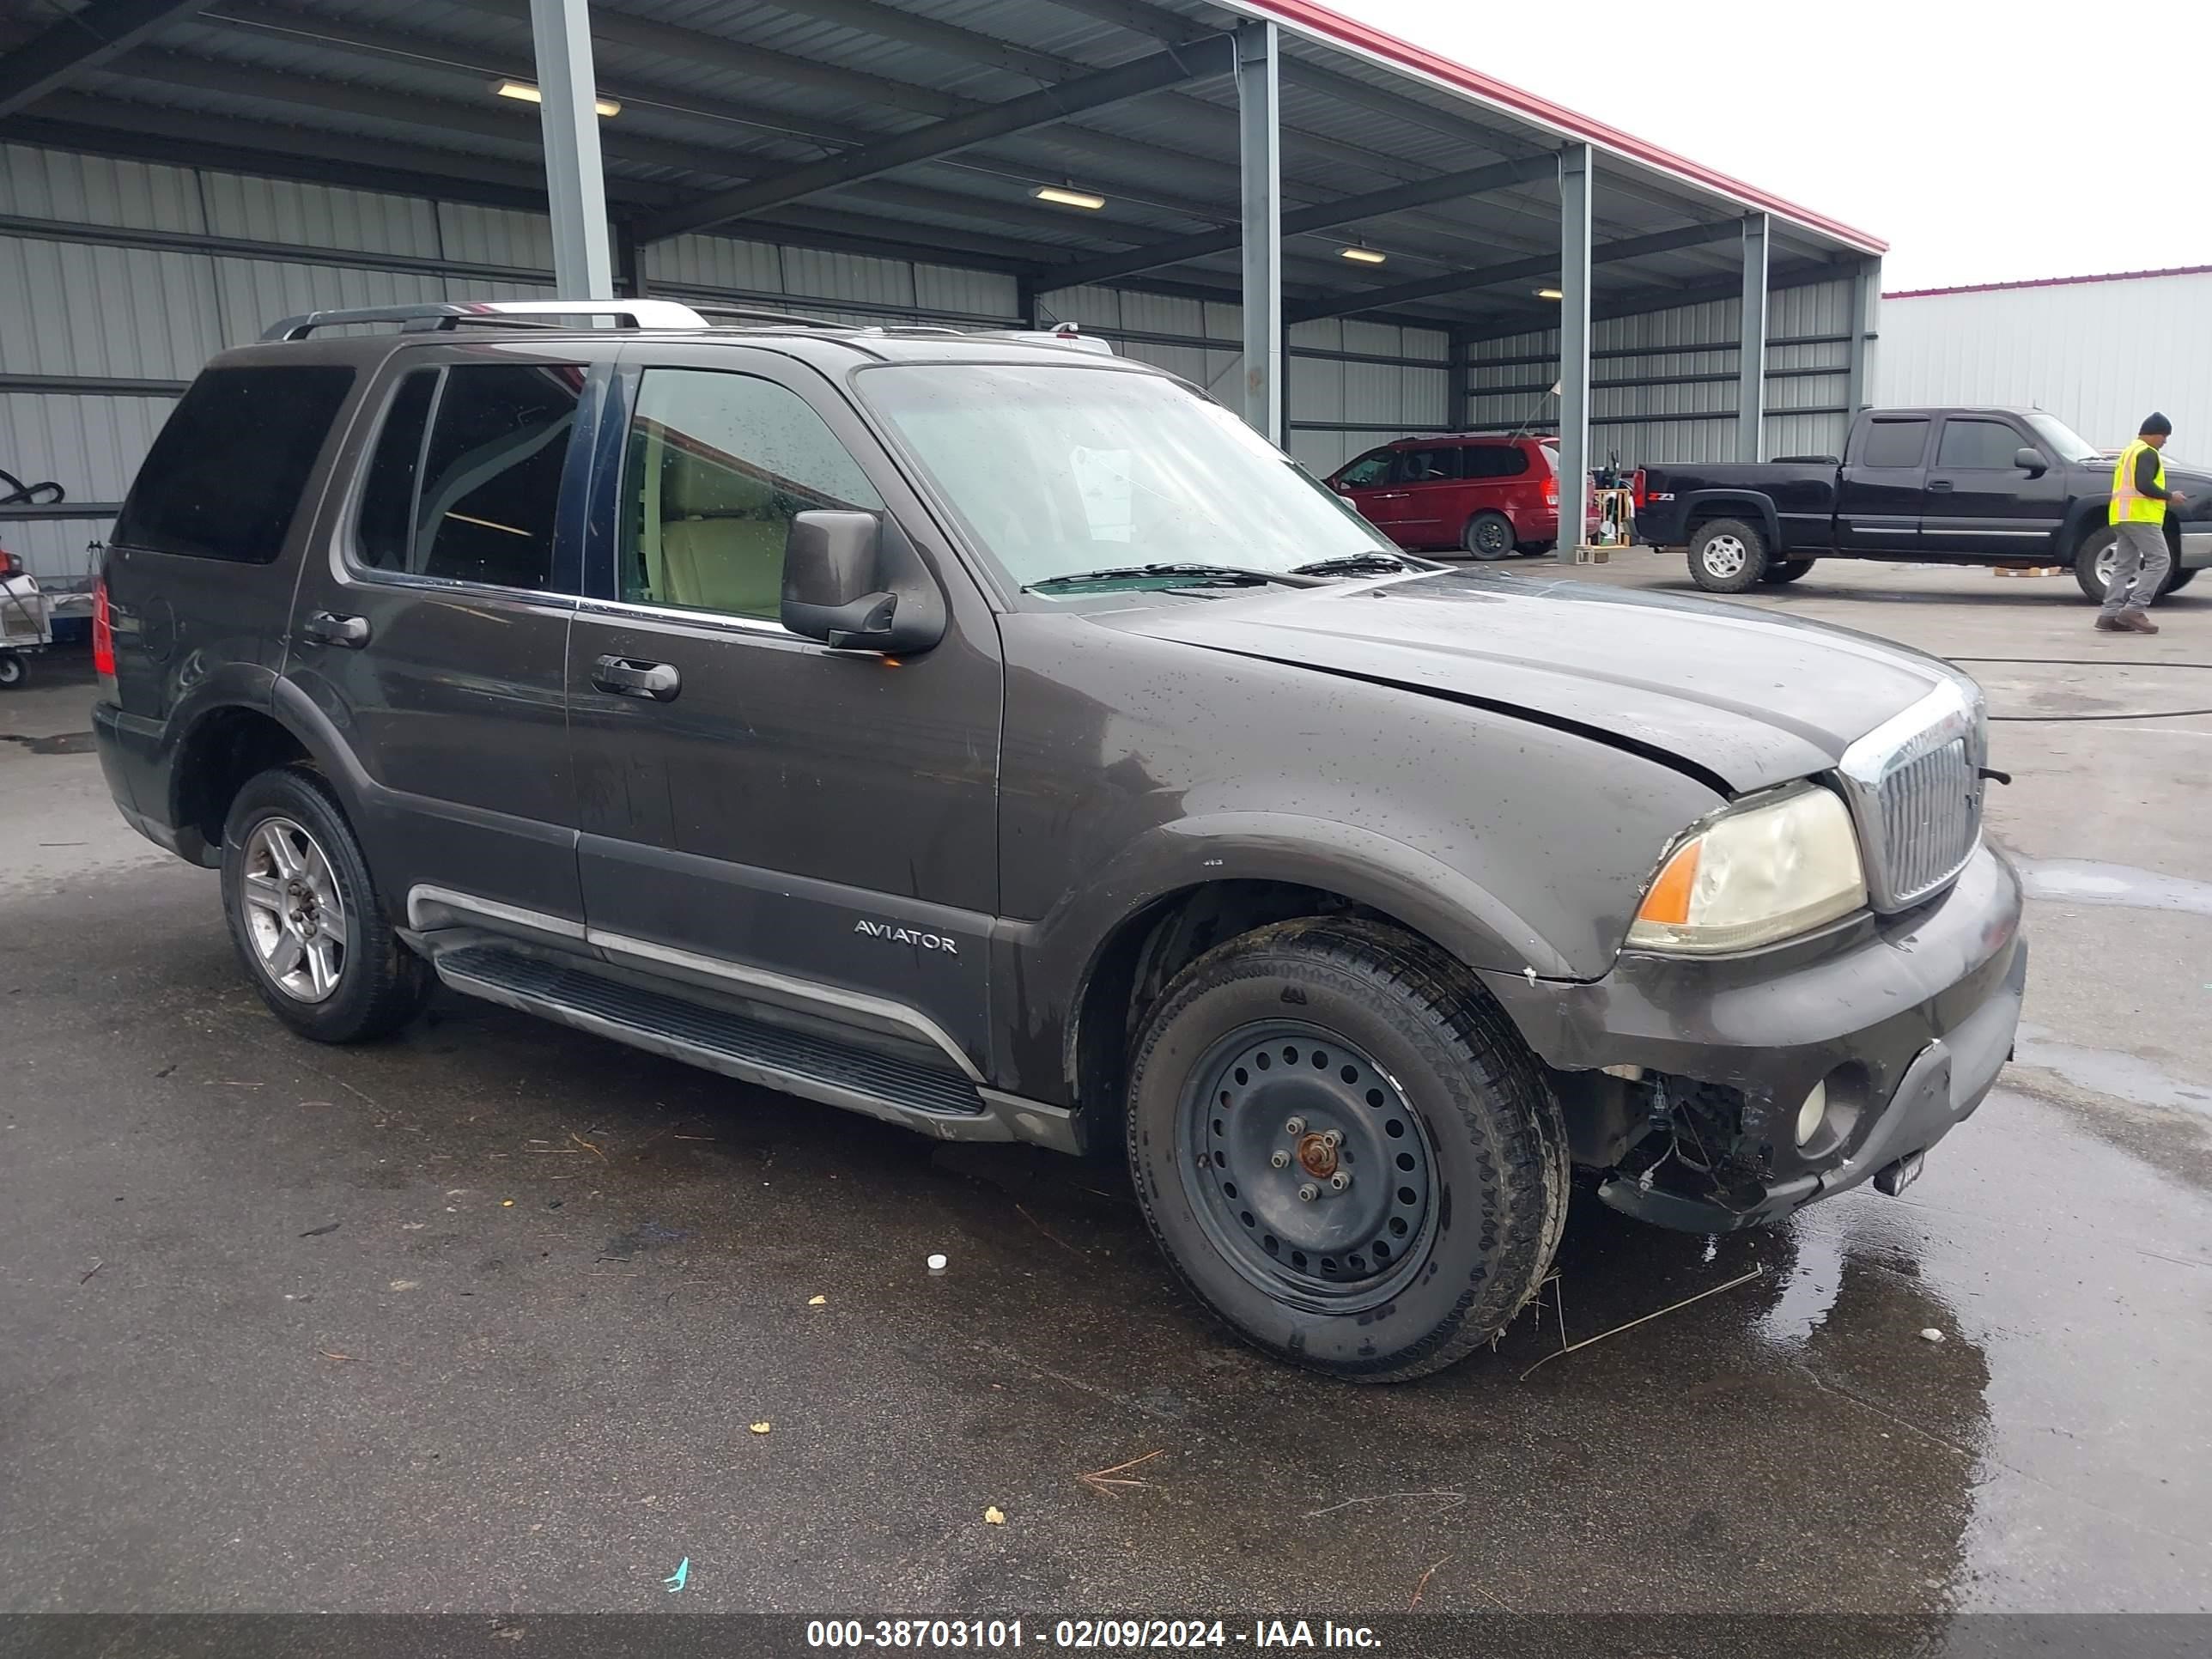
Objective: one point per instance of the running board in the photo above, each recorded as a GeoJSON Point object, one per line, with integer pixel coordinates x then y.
{"type": "Point", "coordinates": [933, 1100]}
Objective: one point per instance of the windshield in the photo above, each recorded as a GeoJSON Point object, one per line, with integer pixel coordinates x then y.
{"type": "Point", "coordinates": [1060, 472]}
{"type": "Point", "coordinates": [2070, 445]}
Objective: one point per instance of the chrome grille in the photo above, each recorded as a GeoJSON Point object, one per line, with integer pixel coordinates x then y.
{"type": "Point", "coordinates": [1915, 788]}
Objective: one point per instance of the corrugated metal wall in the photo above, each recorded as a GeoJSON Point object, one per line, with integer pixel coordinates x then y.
{"type": "Point", "coordinates": [2099, 356]}
{"type": "Point", "coordinates": [1351, 384]}
{"type": "Point", "coordinates": [1664, 382]}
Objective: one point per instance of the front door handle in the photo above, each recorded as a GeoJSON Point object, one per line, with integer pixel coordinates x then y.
{"type": "Point", "coordinates": [325, 628]}
{"type": "Point", "coordinates": [1939, 483]}
{"type": "Point", "coordinates": [626, 677]}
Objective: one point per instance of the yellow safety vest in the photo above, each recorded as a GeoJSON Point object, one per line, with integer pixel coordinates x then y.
{"type": "Point", "coordinates": [2130, 504]}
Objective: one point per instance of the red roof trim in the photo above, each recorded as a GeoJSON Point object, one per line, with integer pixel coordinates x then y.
{"type": "Point", "coordinates": [2050, 282]}
{"type": "Point", "coordinates": [1347, 31]}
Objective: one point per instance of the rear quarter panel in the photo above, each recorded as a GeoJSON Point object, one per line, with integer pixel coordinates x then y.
{"type": "Point", "coordinates": [1134, 769]}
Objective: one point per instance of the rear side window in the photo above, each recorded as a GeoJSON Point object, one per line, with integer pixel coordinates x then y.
{"type": "Point", "coordinates": [1494, 460]}
{"type": "Point", "coordinates": [224, 479]}
{"type": "Point", "coordinates": [465, 482]}
{"type": "Point", "coordinates": [1368, 470]}
{"type": "Point", "coordinates": [1895, 443]}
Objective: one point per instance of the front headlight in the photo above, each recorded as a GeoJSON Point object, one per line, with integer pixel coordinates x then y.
{"type": "Point", "coordinates": [1751, 877]}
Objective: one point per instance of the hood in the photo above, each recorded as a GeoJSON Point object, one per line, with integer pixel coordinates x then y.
{"type": "Point", "coordinates": [1742, 696]}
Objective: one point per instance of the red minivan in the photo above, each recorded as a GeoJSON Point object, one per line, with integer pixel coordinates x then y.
{"type": "Point", "coordinates": [1494, 496]}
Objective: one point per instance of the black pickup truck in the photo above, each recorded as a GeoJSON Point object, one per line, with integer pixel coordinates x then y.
{"type": "Point", "coordinates": [1937, 486]}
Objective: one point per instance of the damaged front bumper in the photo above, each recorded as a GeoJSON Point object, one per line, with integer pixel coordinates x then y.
{"type": "Point", "coordinates": [1905, 1022]}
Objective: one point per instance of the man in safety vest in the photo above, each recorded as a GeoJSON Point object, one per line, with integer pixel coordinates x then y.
{"type": "Point", "coordinates": [2140, 559]}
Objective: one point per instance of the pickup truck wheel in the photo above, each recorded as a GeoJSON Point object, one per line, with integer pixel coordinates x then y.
{"type": "Point", "coordinates": [1787, 570]}
{"type": "Point", "coordinates": [13, 674]}
{"type": "Point", "coordinates": [306, 916]}
{"type": "Point", "coordinates": [1727, 556]}
{"type": "Point", "coordinates": [2093, 565]}
{"type": "Point", "coordinates": [1311, 1107]}
{"type": "Point", "coordinates": [1488, 535]}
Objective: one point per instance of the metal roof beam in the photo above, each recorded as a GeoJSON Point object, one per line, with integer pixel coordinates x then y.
{"type": "Point", "coordinates": [83, 40]}
{"type": "Point", "coordinates": [1321, 215]}
{"type": "Point", "coordinates": [948, 39]}
{"type": "Point", "coordinates": [1154, 73]}
{"type": "Point", "coordinates": [1642, 301]}
{"type": "Point", "coordinates": [1541, 265]}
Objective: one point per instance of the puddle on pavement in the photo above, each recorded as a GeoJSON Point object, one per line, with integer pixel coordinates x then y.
{"type": "Point", "coordinates": [2084, 881]}
{"type": "Point", "coordinates": [66, 743]}
{"type": "Point", "coordinates": [2107, 1072]}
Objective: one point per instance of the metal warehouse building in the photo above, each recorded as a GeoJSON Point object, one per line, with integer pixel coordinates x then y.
{"type": "Point", "coordinates": [2098, 352]}
{"type": "Point", "coordinates": [1343, 236]}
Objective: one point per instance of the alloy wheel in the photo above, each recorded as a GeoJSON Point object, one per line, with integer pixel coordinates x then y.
{"type": "Point", "coordinates": [1723, 556]}
{"type": "Point", "coordinates": [292, 910]}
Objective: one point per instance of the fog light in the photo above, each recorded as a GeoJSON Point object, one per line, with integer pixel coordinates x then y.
{"type": "Point", "coordinates": [1812, 1113]}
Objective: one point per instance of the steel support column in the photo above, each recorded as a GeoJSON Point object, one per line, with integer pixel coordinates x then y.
{"type": "Point", "coordinates": [1260, 148]}
{"type": "Point", "coordinates": [583, 268]}
{"type": "Point", "coordinates": [1751, 348]}
{"type": "Point", "coordinates": [1865, 331]}
{"type": "Point", "coordinates": [1574, 342]}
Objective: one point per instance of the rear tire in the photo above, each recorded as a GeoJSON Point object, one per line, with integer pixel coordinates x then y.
{"type": "Point", "coordinates": [1727, 556]}
{"type": "Point", "coordinates": [1273, 1042]}
{"type": "Point", "coordinates": [1488, 535]}
{"type": "Point", "coordinates": [13, 671]}
{"type": "Point", "coordinates": [1787, 570]}
{"type": "Point", "coordinates": [305, 917]}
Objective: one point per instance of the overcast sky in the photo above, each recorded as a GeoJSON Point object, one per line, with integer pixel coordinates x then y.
{"type": "Point", "coordinates": [1984, 141]}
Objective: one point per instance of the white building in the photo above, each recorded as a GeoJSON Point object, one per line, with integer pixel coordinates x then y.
{"type": "Point", "coordinates": [2098, 352]}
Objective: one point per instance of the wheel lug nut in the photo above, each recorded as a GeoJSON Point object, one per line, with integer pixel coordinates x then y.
{"type": "Point", "coordinates": [1339, 1181]}
{"type": "Point", "coordinates": [1309, 1191]}
{"type": "Point", "coordinates": [1332, 1141]}
{"type": "Point", "coordinates": [1297, 1125]}
{"type": "Point", "coordinates": [1281, 1160]}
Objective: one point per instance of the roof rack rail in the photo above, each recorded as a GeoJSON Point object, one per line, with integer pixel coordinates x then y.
{"type": "Point", "coordinates": [760, 314]}
{"type": "Point", "coordinates": [495, 314]}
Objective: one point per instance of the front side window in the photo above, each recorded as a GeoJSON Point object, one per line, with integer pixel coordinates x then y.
{"type": "Point", "coordinates": [465, 482]}
{"type": "Point", "coordinates": [1059, 470]}
{"type": "Point", "coordinates": [1367, 471]}
{"type": "Point", "coordinates": [223, 479]}
{"type": "Point", "coordinates": [1979, 446]}
{"type": "Point", "coordinates": [1895, 443]}
{"type": "Point", "coordinates": [719, 465]}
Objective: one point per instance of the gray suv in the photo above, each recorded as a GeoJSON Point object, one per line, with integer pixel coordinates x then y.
{"type": "Point", "coordinates": [999, 738]}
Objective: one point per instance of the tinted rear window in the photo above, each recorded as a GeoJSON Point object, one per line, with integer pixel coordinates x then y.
{"type": "Point", "coordinates": [223, 479]}
{"type": "Point", "coordinates": [1895, 443]}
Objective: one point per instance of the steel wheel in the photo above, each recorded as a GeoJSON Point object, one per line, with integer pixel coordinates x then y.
{"type": "Point", "coordinates": [295, 916]}
{"type": "Point", "coordinates": [1308, 1169]}
{"type": "Point", "coordinates": [1724, 557]}
{"type": "Point", "coordinates": [12, 673]}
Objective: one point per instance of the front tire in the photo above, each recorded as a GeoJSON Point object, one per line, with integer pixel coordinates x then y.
{"type": "Point", "coordinates": [1488, 535]}
{"type": "Point", "coordinates": [13, 671]}
{"type": "Point", "coordinates": [2093, 565]}
{"type": "Point", "coordinates": [1727, 556]}
{"type": "Point", "coordinates": [305, 917]}
{"type": "Point", "coordinates": [1787, 570]}
{"type": "Point", "coordinates": [1423, 1226]}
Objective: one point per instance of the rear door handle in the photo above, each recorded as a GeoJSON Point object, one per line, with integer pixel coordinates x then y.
{"type": "Point", "coordinates": [1939, 483]}
{"type": "Point", "coordinates": [325, 628]}
{"type": "Point", "coordinates": [626, 677]}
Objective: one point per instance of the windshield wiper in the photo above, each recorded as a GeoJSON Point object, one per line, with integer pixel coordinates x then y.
{"type": "Point", "coordinates": [1229, 574]}
{"type": "Point", "coordinates": [1357, 564]}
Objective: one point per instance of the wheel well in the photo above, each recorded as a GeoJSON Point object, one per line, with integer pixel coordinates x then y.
{"type": "Point", "coordinates": [227, 748]}
{"type": "Point", "coordinates": [1705, 512]}
{"type": "Point", "coordinates": [1148, 950]}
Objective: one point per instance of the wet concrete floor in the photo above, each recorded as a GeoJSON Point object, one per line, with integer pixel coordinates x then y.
{"type": "Point", "coordinates": [481, 1318]}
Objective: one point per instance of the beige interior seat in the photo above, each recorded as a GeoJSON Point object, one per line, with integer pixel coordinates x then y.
{"type": "Point", "coordinates": [721, 536]}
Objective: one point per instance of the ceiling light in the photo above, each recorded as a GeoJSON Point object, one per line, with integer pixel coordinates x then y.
{"type": "Point", "coordinates": [1549, 294]}
{"type": "Point", "coordinates": [1069, 196]}
{"type": "Point", "coordinates": [1366, 256]}
{"type": "Point", "coordinates": [529, 94]}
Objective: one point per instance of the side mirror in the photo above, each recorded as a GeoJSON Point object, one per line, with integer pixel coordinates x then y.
{"type": "Point", "coordinates": [2030, 461]}
{"type": "Point", "coordinates": [852, 581]}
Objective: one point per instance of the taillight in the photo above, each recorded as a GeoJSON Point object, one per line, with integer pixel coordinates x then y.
{"type": "Point", "coordinates": [103, 630]}
{"type": "Point", "coordinates": [1636, 487]}
{"type": "Point", "coordinates": [1552, 493]}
